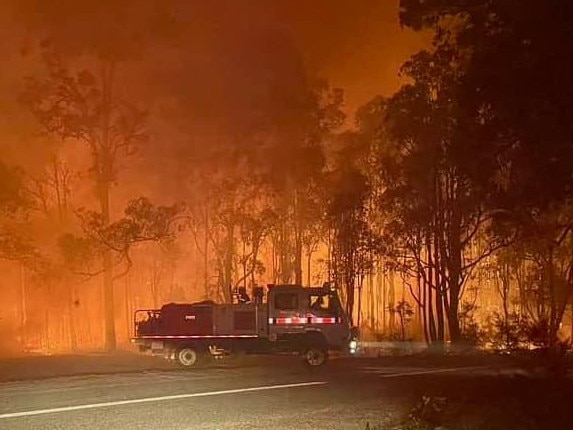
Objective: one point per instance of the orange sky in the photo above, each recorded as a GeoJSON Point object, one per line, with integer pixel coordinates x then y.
{"type": "Point", "coordinates": [358, 44]}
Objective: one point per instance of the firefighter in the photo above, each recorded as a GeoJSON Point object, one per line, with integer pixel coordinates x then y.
{"type": "Point", "coordinates": [318, 304]}
{"type": "Point", "coordinates": [243, 296]}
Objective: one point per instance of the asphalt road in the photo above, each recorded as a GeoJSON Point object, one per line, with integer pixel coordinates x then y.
{"type": "Point", "coordinates": [276, 393]}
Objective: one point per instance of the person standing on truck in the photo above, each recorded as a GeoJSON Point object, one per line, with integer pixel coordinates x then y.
{"type": "Point", "coordinates": [243, 296]}
{"type": "Point", "coordinates": [321, 306]}
{"type": "Point", "coordinates": [318, 304]}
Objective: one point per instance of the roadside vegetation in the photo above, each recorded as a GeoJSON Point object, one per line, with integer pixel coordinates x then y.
{"type": "Point", "coordinates": [487, 405]}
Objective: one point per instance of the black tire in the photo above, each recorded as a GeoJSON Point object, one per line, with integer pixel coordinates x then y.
{"type": "Point", "coordinates": [315, 356]}
{"type": "Point", "coordinates": [188, 357]}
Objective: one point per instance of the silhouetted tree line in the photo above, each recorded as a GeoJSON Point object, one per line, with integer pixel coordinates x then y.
{"type": "Point", "coordinates": [477, 163]}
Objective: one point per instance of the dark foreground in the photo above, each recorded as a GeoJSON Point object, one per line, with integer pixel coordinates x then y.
{"type": "Point", "coordinates": [133, 392]}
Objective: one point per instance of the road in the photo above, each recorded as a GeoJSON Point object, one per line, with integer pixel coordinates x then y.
{"type": "Point", "coordinates": [277, 393]}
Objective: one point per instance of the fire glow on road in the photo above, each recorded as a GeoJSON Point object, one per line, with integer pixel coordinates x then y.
{"type": "Point", "coordinates": [155, 399]}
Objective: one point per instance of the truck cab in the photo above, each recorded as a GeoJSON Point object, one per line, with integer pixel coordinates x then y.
{"type": "Point", "coordinates": [296, 312]}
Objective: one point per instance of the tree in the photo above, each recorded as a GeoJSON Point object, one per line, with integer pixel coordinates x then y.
{"type": "Point", "coordinates": [143, 222]}
{"type": "Point", "coordinates": [254, 226]}
{"type": "Point", "coordinates": [429, 195]}
{"type": "Point", "coordinates": [84, 105]}
{"type": "Point", "coordinates": [294, 172]}
{"type": "Point", "coordinates": [15, 203]}
{"type": "Point", "coordinates": [79, 106]}
{"type": "Point", "coordinates": [544, 248]}
{"type": "Point", "coordinates": [517, 123]}
{"type": "Point", "coordinates": [354, 244]}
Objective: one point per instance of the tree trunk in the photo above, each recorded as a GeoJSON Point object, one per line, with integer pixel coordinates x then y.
{"type": "Point", "coordinates": [206, 280]}
{"type": "Point", "coordinates": [422, 308]}
{"type": "Point", "coordinates": [256, 246]}
{"type": "Point", "coordinates": [228, 264]}
{"type": "Point", "coordinates": [454, 320]}
{"type": "Point", "coordinates": [371, 300]}
{"type": "Point", "coordinates": [391, 304]}
{"type": "Point", "coordinates": [384, 304]}
{"type": "Point", "coordinates": [308, 268]}
{"type": "Point", "coordinates": [440, 335]}
{"type": "Point", "coordinates": [72, 320]}
{"type": "Point", "coordinates": [109, 302]}
{"type": "Point", "coordinates": [440, 315]}
{"type": "Point", "coordinates": [455, 278]}
{"type": "Point", "coordinates": [128, 306]}
{"type": "Point", "coordinates": [571, 322]}
{"type": "Point", "coordinates": [431, 316]}
{"type": "Point", "coordinates": [105, 176]}
{"type": "Point", "coordinates": [429, 296]}
{"type": "Point", "coordinates": [298, 259]}
{"type": "Point", "coordinates": [23, 306]}
{"type": "Point", "coordinates": [108, 289]}
{"type": "Point", "coordinates": [244, 264]}
{"type": "Point", "coordinates": [350, 299]}
{"type": "Point", "coordinates": [285, 266]}
{"type": "Point", "coordinates": [359, 317]}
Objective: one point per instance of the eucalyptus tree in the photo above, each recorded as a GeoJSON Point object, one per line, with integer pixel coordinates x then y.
{"type": "Point", "coordinates": [79, 97]}
{"type": "Point", "coordinates": [294, 172]}
{"type": "Point", "coordinates": [429, 194]}
{"type": "Point", "coordinates": [515, 120]}
{"type": "Point", "coordinates": [354, 245]}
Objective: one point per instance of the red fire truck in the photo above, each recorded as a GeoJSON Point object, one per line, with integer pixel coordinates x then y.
{"type": "Point", "coordinates": [287, 319]}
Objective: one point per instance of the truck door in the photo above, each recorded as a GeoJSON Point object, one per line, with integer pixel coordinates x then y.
{"type": "Point", "coordinates": [326, 315]}
{"type": "Point", "coordinates": [287, 311]}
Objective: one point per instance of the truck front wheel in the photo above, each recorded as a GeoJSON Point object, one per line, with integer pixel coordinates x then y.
{"type": "Point", "coordinates": [187, 357]}
{"type": "Point", "coordinates": [315, 356]}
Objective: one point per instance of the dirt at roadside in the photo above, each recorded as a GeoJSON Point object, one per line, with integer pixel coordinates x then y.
{"type": "Point", "coordinates": [50, 366]}
{"type": "Point", "coordinates": [29, 367]}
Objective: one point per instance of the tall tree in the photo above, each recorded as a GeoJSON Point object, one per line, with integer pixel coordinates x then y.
{"type": "Point", "coordinates": [427, 184]}
{"type": "Point", "coordinates": [515, 120]}
{"type": "Point", "coordinates": [354, 245]}
{"type": "Point", "coordinates": [83, 104]}
{"type": "Point", "coordinates": [78, 106]}
{"type": "Point", "coordinates": [294, 172]}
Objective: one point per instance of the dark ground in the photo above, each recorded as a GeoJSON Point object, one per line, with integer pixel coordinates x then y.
{"type": "Point", "coordinates": [479, 392]}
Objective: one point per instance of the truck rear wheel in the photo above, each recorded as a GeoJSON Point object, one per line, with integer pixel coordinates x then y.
{"type": "Point", "coordinates": [315, 356]}
{"type": "Point", "coordinates": [187, 357]}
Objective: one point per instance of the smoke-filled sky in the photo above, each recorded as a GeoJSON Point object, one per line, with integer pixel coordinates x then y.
{"type": "Point", "coordinates": [357, 44]}
{"type": "Point", "coordinates": [232, 60]}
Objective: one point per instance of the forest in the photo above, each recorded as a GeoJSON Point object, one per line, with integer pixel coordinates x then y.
{"type": "Point", "coordinates": [157, 151]}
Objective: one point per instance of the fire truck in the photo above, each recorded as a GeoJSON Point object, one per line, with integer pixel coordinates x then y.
{"type": "Point", "coordinates": [288, 319]}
